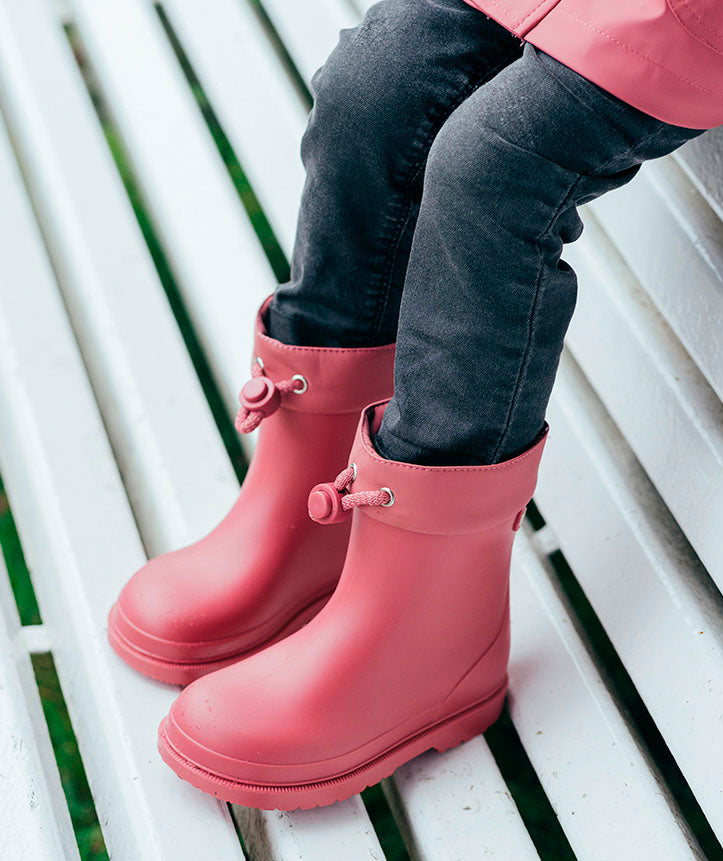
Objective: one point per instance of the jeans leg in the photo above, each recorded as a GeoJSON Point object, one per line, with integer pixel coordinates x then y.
{"type": "Point", "coordinates": [487, 298]}
{"type": "Point", "coordinates": [379, 101]}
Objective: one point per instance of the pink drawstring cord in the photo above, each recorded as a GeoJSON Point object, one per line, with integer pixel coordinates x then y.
{"type": "Point", "coordinates": [331, 503]}
{"type": "Point", "coordinates": [260, 397]}
{"type": "Point", "coordinates": [362, 497]}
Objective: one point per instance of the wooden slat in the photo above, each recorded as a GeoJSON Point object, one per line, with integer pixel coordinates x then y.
{"type": "Point", "coordinates": [658, 606]}
{"type": "Point", "coordinates": [262, 114]}
{"type": "Point", "coordinates": [34, 819]}
{"type": "Point", "coordinates": [673, 242]}
{"type": "Point", "coordinates": [62, 10]}
{"type": "Point", "coordinates": [81, 544]}
{"type": "Point", "coordinates": [310, 29]}
{"type": "Point", "coordinates": [35, 639]}
{"type": "Point", "coordinates": [216, 259]}
{"type": "Point", "coordinates": [140, 369]}
{"type": "Point", "coordinates": [341, 831]}
{"type": "Point", "coordinates": [666, 410]}
{"type": "Point", "coordinates": [702, 159]}
{"type": "Point", "coordinates": [456, 805]}
{"type": "Point", "coordinates": [608, 798]}
{"type": "Point", "coordinates": [362, 5]}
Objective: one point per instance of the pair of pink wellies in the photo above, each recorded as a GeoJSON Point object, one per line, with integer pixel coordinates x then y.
{"type": "Point", "coordinates": [324, 649]}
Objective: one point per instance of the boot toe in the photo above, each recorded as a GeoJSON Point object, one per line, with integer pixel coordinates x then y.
{"type": "Point", "coordinates": [202, 727]}
{"type": "Point", "coordinates": [152, 609]}
{"type": "Point", "coordinates": [189, 612]}
{"type": "Point", "coordinates": [168, 610]}
{"type": "Point", "coordinates": [247, 722]}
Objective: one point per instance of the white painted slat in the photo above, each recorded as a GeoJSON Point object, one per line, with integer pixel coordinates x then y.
{"type": "Point", "coordinates": [673, 242]}
{"type": "Point", "coordinates": [34, 819]}
{"type": "Point", "coordinates": [608, 799]}
{"type": "Point", "coordinates": [456, 805]}
{"type": "Point", "coordinates": [702, 160]}
{"type": "Point", "coordinates": [342, 831]}
{"type": "Point", "coordinates": [81, 543]}
{"type": "Point", "coordinates": [218, 263]}
{"type": "Point", "coordinates": [253, 97]}
{"type": "Point", "coordinates": [659, 608]}
{"type": "Point", "coordinates": [35, 639]}
{"type": "Point", "coordinates": [62, 10]}
{"type": "Point", "coordinates": [310, 30]}
{"type": "Point", "coordinates": [660, 401]}
{"type": "Point", "coordinates": [545, 541]}
{"type": "Point", "coordinates": [140, 369]}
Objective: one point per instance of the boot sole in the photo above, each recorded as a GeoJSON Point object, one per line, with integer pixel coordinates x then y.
{"type": "Point", "coordinates": [441, 736]}
{"type": "Point", "coordinates": [183, 673]}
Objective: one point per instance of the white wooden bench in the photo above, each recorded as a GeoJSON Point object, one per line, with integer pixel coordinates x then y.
{"type": "Point", "coordinates": [109, 452]}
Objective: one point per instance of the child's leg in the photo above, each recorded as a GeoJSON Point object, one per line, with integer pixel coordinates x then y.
{"type": "Point", "coordinates": [380, 99]}
{"type": "Point", "coordinates": [487, 299]}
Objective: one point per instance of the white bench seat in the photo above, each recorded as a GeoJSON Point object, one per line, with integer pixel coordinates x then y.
{"type": "Point", "coordinates": [109, 452]}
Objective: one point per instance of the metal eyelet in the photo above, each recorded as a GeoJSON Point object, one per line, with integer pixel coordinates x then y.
{"type": "Point", "coordinates": [353, 471]}
{"type": "Point", "coordinates": [304, 384]}
{"type": "Point", "coordinates": [260, 362]}
{"type": "Point", "coordinates": [391, 498]}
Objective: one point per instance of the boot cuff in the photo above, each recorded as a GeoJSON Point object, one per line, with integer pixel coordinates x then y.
{"type": "Point", "coordinates": [339, 380]}
{"type": "Point", "coordinates": [443, 500]}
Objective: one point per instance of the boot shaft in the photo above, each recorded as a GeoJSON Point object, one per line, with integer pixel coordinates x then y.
{"type": "Point", "coordinates": [430, 550]}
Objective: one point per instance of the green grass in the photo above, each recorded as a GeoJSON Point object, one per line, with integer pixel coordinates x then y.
{"type": "Point", "coordinates": [15, 562]}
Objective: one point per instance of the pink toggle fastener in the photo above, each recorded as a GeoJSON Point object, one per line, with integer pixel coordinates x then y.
{"type": "Point", "coordinates": [325, 504]}
{"type": "Point", "coordinates": [331, 501]}
{"type": "Point", "coordinates": [260, 393]}
{"type": "Point", "coordinates": [260, 397]}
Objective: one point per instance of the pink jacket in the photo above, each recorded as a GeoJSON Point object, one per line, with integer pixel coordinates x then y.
{"type": "Point", "coordinates": [664, 57]}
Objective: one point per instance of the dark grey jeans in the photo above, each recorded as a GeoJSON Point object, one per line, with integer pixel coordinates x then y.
{"type": "Point", "coordinates": [444, 167]}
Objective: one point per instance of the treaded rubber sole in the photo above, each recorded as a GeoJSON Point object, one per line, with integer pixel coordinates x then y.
{"type": "Point", "coordinates": [440, 736]}
{"type": "Point", "coordinates": [183, 673]}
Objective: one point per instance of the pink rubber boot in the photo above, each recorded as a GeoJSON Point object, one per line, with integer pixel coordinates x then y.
{"type": "Point", "coordinates": [266, 569]}
{"type": "Point", "coordinates": [410, 653]}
